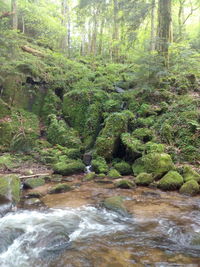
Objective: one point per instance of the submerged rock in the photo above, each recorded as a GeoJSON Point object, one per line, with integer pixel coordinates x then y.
{"type": "Point", "coordinates": [10, 187]}
{"type": "Point", "coordinates": [190, 188]}
{"type": "Point", "coordinates": [171, 181]}
{"type": "Point", "coordinates": [125, 184]}
{"type": "Point", "coordinates": [60, 188]}
{"type": "Point", "coordinates": [116, 204]}
{"type": "Point", "coordinates": [32, 201]}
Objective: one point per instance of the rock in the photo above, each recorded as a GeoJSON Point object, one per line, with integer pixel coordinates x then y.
{"type": "Point", "coordinates": [144, 179]}
{"type": "Point", "coordinates": [114, 174]}
{"type": "Point", "coordinates": [60, 188]}
{"type": "Point", "coordinates": [69, 167]}
{"type": "Point", "coordinates": [5, 206]}
{"type": "Point", "coordinates": [190, 174]}
{"type": "Point", "coordinates": [155, 163]}
{"type": "Point", "coordinates": [101, 175]}
{"type": "Point", "coordinates": [10, 187]}
{"type": "Point", "coordinates": [89, 176]}
{"type": "Point", "coordinates": [99, 165]}
{"type": "Point", "coordinates": [116, 204]}
{"type": "Point", "coordinates": [171, 181]}
{"type": "Point", "coordinates": [87, 158]}
{"type": "Point", "coordinates": [68, 179]}
{"type": "Point", "coordinates": [125, 184]}
{"type": "Point", "coordinates": [56, 178]}
{"type": "Point", "coordinates": [32, 201]}
{"type": "Point", "coordinates": [34, 182]}
{"type": "Point", "coordinates": [123, 168]}
{"type": "Point", "coordinates": [34, 194]}
{"type": "Point", "coordinates": [190, 188]}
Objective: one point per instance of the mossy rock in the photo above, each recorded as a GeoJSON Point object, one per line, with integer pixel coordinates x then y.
{"type": "Point", "coordinates": [32, 201]}
{"type": "Point", "coordinates": [144, 179]}
{"type": "Point", "coordinates": [113, 173]}
{"type": "Point", "coordinates": [151, 147]}
{"type": "Point", "coordinates": [125, 184]}
{"type": "Point", "coordinates": [134, 146]}
{"type": "Point", "coordinates": [34, 194]}
{"type": "Point", "coordinates": [69, 167]}
{"type": "Point", "coordinates": [116, 204]}
{"type": "Point", "coordinates": [190, 188]}
{"type": "Point", "coordinates": [34, 182]}
{"type": "Point", "coordinates": [143, 134]}
{"type": "Point", "coordinates": [155, 163]}
{"type": "Point", "coordinates": [60, 188]}
{"type": "Point", "coordinates": [89, 176]}
{"type": "Point", "coordinates": [190, 174]}
{"type": "Point", "coordinates": [123, 168]}
{"type": "Point", "coordinates": [99, 165]}
{"type": "Point", "coordinates": [171, 181]}
{"type": "Point", "coordinates": [10, 187]}
{"type": "Point", "coordinates": [8, 161]}
{"type": "Point", "coordinates": [101, 175]}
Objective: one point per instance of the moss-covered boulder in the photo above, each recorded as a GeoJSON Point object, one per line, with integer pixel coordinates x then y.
{"type": "Point", "coordinates": [151, 147]}
{"type": "Point", "coordinates": [10, 187]}
{"type": "Point", "coordinates": [34, 182]}
{"type": "Point", "coordinates": [69, 167]}
{"type": "Point", "coordinates": [89, 176]}
{"type": "Point", "coordinates": [108, 141]}
{"type": "Point", "coordinates": [113, 173]}
{"type": "Point", "coordinates": [59, 188]}
{"type": "Point", "coordinates": [144, 179]}
{"type": "Point", "coordinates": [123, 168]}
{"type": "Point", "coordinates": [190, 174]}
{"type": "Point", "coordinates": [116, 204]}
{"type": "Point", "coordinates": [143, 134]}
{"type": "Point", "coordinates": [155, 163]}
{"type": "Point", "coordinates": [134, 146]}
{"type": "Point", "coordinates": [125, 184]}
{"type": "Point", "coordinates": [7, 161]}
{"type": "Point", "coordinates": [171, 181]}
{"type": "Point", "coordinates": [60, 133]}
{"type": "Point", "coordinates": [190, 188]}
{"type": "Point", "coordinates": [99, 165]}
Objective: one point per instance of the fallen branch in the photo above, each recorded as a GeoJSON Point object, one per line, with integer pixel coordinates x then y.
{"type": "Point", "coordinates": [32, 51]}
{"type": "Point", "coordinates": [6, 14]}
{"type": "Point", "coordinates": [34, 175]}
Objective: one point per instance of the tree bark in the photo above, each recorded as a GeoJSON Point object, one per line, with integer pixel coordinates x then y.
{"type": "Point", "coordinates": [153, 31]}
{"type": "Point", "coordinates": [14, 17]}
{"type": "Point", "coordinates": [164, 29]}
{"type": "Point", "coordinates": [115, 38]}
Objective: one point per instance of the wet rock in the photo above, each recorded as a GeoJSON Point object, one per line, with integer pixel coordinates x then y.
{"type": "Point", "coordinates": [5, 206]}
{"type": "Point", "coordinates": [10, 187]}
{"type": "Point", "coordinates": [116, 204]}
{"type": "Point", "coordinates": [68, 168]}
{"type": "Point", "coordinates": [60, 188]}
{"type": "Point", "coordinates": [34, 194]}
{"type": "Point", "coordinates": [68, 179]}
{"type": "Point", "coordinates": [32, 201]}
{"type": "Point", "coordinates": [125, 184]}
{"type": "Point", "coordinates": [171, 181]}
{"type": "Point", "coordinates": [151, 194]}
{"type": "Point", "coordinates": [34, 182]}
{"type": "Point", "coordinates": [190, 188]}
{"type": "Point", "coordinates": [144, 179]}
{"type": "Point", "coordinates": [56, 178]}
{"type": "Point", "coordinates": [87, 158]}
{"type": "Point", "coordinates": [7, 237]}
{"type": "Point", "coordinates": [99, 165]}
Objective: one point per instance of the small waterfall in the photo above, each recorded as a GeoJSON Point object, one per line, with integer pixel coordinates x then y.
{"type": "Point", "coordinates": [88, 169]}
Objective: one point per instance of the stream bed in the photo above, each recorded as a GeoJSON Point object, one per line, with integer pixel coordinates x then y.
{"type": "Point", "coordinates": [162, 229]}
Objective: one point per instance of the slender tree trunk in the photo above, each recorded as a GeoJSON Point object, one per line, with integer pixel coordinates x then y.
{"type": "Point", "coordinates": [164, 29]}
{"type": "Point", "coordinates": [68, 30]}
{"type": "Point", "coordinates": [64, 23]}
{"type": "Point", "coordinates": [94, 36]}
{"type": "Point", "coordinates": [14, 17]}
{"type": "Point", "coordinates": [115, 38]}
{"type": "Point", "coordinates": [23, 25]}
{"type": "Point", "coordinates": [101, 36]}
{"type": "Point", "coordinates": [153, 31]}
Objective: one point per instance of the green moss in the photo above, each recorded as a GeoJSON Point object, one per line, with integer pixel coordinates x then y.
{"type": "Point", "coordinates": [155, 163]}
{"type": "Point", "coordinates": [144, 179]}
{"type": "Point", "coordinates": [60, 188]}
{"type": "Point", "coordinates": [34, 182]}
{"type": "Point", "coordinates": [190, 174]}
{"type": "Point", "coordinates": [7, 161]}
{"type": "Point", "coordinates": [112, 105]}
{"type": "Point", "coordinates": [134, 145]}
{"type": "Point", "coordinates": [151, 147]}
{"type": "Point", "coordinates": [123, 168]}
{"type": "Point", "coordinates": [60, 133]}
{"type": "Point", "coordinates": [125, 184]}
{"type": "Point", "coordinates": [143, 134]}
{"type": "Point", "coordinates": [190, 188]}
{"type": "Point", "coordinates": [89, 176]}
{"type": "Point", "coordinates": [101, 175]}
{"type": "Point", "coordinates": [115, 125]}
{"type": "Point", "coordinates": [10, 187]}
{"type": "Point", "coordinates": [171, 181]}
{"type": "Point", "coordinates": [99, 165]}
{"type": "Point", "coordinates": [5, 110]}
{"type": "Point", "coordinates": [114, 174]}
{"type": "Point", "coordinates": [69, 167]}
{"type": "Point", "coordinates": [116, 204]}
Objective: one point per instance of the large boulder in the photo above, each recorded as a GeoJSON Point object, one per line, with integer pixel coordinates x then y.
{"type": "Point", "coordinates": [190, 188]}
{"type": "Point", "coordinates": [155, 163]}
{"type": "Point", "coordinates": [116, 204]}
{"type": "Point", "coordinates": [10, 187]}
{"type": "Point", "coordinates": [171, 181]}
{"type": "Point", "coordinates": [123, 168]}
{"type": "Point", "coordinates": [69, 167]}
{"type": "Point", "coordinates": [144, 179]}
{"type": "Point", "coordinates": [34, 182]}
{"type": "Point", "coordinates": [99, 165]}
{"type": "Point", "coordinates": [190, 174]}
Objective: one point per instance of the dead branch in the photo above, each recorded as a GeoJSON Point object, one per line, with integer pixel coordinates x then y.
{"type": "Point", "coordinates": [32, 51]}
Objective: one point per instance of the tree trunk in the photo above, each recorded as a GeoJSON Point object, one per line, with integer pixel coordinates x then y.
{"type": "Point", "coordinates": [101, 36]}
{"type": "Point", "coordinates": [164, 29]}
{"type": "Point", "coordinates": [14, 17]}
{"type": "Point", "coordinates": [153, 41]}
{"type": "Point", "coordinates": [115, 38]}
